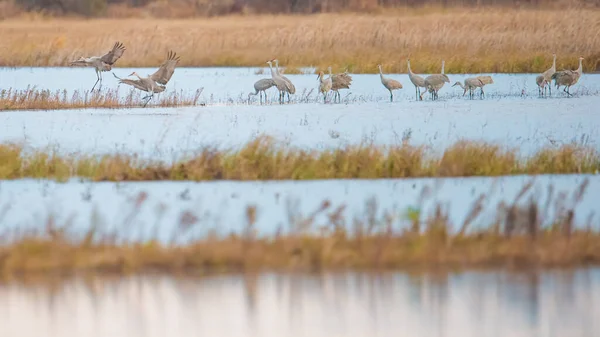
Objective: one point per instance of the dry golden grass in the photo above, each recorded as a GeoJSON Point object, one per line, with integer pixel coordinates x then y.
{"type": "Point", "coordinates": [520, 235]}
{"type": "Point", "coordinates": [471, 41]}
{"type": "Point", "coordinates": [265, 159]}
{"type": "Point", "coordinates": [34, 99]}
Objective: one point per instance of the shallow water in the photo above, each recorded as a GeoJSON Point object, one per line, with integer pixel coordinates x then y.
{"type": "Point", "coordinates": [221, 206]}
{"type": "Point", "coordinates": [505, 116]}
{"type": "Point", "coordinates": [478, 304]}
{"type": "Point", "coordinates": [227, 85]}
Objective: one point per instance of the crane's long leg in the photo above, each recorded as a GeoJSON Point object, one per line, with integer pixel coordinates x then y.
{"type": "Point", "coordinates": [148, 100]}
{"type": "Point", "coordinates": [97, 80]}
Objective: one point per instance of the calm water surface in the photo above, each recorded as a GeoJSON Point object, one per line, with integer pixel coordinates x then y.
{"type": "Point", "coordinates": [556, 303]}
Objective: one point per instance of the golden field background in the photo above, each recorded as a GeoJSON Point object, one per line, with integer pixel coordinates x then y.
{"type": "Point", "coordinates": [471, 41]}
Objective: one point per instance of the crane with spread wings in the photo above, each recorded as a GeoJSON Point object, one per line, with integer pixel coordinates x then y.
{"type": "Point", "coordinates": [101, 63]}
{"type": "Point", "coordinates": [156, 82]}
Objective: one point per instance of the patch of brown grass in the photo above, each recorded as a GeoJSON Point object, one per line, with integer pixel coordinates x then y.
{"type": "Point", "coordinates": [265, 159]}
{"type": "Point", "coordinates": [34, 99]}
{"type": "Point", "coordinates": [519, 236]}
{"type": "Point", "coordinates": [471, 41]}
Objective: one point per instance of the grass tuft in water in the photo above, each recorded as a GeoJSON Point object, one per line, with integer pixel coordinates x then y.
{"type": "Point", "coordinates": [35, 99]}
{"type": "Point", "coordinates": [519, 235]}
{"type": "Point", "coordinates": [266, 159]}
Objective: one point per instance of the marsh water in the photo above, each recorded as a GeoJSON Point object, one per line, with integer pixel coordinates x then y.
{"type": "Point", "coordinates": [511, 114]}
{"type": "Point", "coordinates": [482, 304]}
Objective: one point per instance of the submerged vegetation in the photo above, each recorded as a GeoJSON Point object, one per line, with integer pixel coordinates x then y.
{"type": "Point", "coordinates": [522, 233]}
{"type": "Point", "coordinates": [502, 42]}
{"type": "Point", "coordinates": [35, 99]}
{"type": "Point", "coordinates": [265, 159]}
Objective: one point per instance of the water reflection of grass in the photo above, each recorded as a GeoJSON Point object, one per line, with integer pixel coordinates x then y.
{"type": "Point", "coordinates": [520, 234]}
{"type": "Point", "coordinates": [34, 99]}
{"type": "Point", "coordinates": [265, 159]}
{"type": "Point", "coordinates": [509, 41]}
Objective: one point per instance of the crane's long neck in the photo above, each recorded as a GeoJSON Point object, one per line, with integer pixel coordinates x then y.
{"type": "Point", "coordinates": [443, 64]}
{"type": "Point", "coordinates": [409, 70]}
{"type": "Point", "coordinates": [580, 69]}
{"type": "Point", "coordinates": [272, 72]}
{"type": "Point", "coordinates": [381, 73]}
{"type": "Point", "coordinates": [461, 85]}
{"type": "Point", "coordinates": [277, 67]}
{"type": "Point", "coordinates": [330, 74]}
{"type": "Point", "coordinates": [554, 63]}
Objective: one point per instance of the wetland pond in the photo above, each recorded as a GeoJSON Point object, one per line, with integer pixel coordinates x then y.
{"type": "Point", "coordinates": [468, 304]}
{"type": "Point", "coordinates": [510, 115]}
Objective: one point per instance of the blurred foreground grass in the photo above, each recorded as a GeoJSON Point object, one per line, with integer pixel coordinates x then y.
{"type": "Point", "coordinates": [521, 234]}
{"type": "Point", "coordinates": [470, 40]}
{"type": "Point", "coordinates": [265, 159]}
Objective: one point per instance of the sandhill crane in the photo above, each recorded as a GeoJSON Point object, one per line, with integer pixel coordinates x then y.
{"type": "Point", "coordinates": [435, 82]}
{"type": "Point", "coordinates": [289, 86]}
{"type": "Point", "coordinates": [340, 81]}
{"type": "Point", "coordinates": [326, 84]}
{"type": "Point", "coordinates": [279, 82]}
{"type": "Point", "coordinates": [541, 83]}
{"type": "Point", "coordinates": [261, 86]}
{"type": "Point", "coordinates": [101, 63]}
{"type": "Point", "coordinates": [388, 83]}
{"type": "Point", "coordinates": [156, 82]}
{"type": "Point", "coordinates": [417, 80]}
{"type": "Point", "coordinates": [568, 78]}
{"type": "Point", "coordinates": [548, 73]}
{"type": "Point", "coordinates": [485, 79]}
{"type": "Point", "coordinates": [470, 84]}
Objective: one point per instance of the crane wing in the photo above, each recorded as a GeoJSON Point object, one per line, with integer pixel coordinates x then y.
{"type": "Point", "coordinates": [342, 80]}
{"type": "Point", "coordinates": [113, 55]}
{"type": "Point", "coordinates": [166, 70]}
{"type": "Point", "coordinates": [134, 83]}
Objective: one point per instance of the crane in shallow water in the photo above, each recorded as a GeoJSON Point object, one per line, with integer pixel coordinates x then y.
{"type": "Point", "coordinates": [156, 82]}
{"type": "Point", "coordinates": [261, 86]}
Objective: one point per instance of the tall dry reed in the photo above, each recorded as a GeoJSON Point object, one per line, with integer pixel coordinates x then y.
{"type": "Point", "coordinates": [36, 99]}
{"type": "Point", "coordinates": [471, 41]}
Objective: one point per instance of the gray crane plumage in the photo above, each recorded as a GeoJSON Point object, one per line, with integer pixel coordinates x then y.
{"type": "Point", "coordinates": [289, 86]}
{"type": "Point", "coordinates": [435, 82]}
{"type": "Point", "coordinates": [325, 84]}
{"type": "Point", "coordinates": [541, 83]}
{"type": "Point", "coordinates": [550, 72]}
{"type": "Point", "coordinates": [155, 83]}
{"type": "Point", "coordinates": [389, 83]}
{"type": "Point", "coordinates": [568, 78]}
{"type": "Point", "coordinates": [280, 83]}
{"type": "Point", "coordinates": [261, 86]}
{"type": "Point", "coordinates": [340, 81]}
{"type": "Point", "coordinates": [470, 84]}
{"type": "Point", "coordinates": [418, 81]}
{"type": "Point", "coordinates": [101, 63]}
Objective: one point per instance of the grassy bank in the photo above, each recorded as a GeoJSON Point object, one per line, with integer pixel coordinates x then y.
{"type": "Point", "coordinates": [35, 99]}
{"type": "Point", "coordinates": [265, 159]}
{"type": "Point", "coordinates": [520, 234]}
{"type": "Point", "coordinates": [471, 41]}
